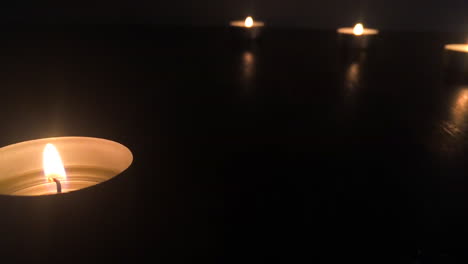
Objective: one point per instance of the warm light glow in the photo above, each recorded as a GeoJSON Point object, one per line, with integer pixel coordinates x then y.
{"type": "Point", "coordinates": [358, 29]}
{"type": "Point", "coordinates": [52, 164]}
{"type": "Point", "coordinates": [457, 47]}
{"type": "Point", "coordinates": [248, 68]}
{"type": "Point", "coordinates": [460, 108]}
{"type": "Point", "coordinates": [353, 74]}
{"type": "Point", "coordinates": [249, 22]}
{"type": "Point", "coordinates": [248, 59]}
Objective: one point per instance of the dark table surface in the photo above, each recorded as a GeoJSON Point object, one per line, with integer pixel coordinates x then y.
{"type": "Point", "coordinates": [288, 149]}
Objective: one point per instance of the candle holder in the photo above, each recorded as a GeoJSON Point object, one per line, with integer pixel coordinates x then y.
{"type": "Point", "coordinates": [357, 37]}
{"type": "Point", "coordinates": [246, 30]}
{"type": "Point", "coordinates": [86, 160]}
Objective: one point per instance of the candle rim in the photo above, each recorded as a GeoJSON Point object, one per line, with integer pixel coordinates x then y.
{"type": "Point", "coordinates": [350, 30]}
{"type": "Point", "coordinates": [241, 23]}
{"type": "Point", "coordinates": [67, 139]}
{"type": "Point", "coordinates": [51, 139]}
{"type": "Point", "coordinates": [453, 47]}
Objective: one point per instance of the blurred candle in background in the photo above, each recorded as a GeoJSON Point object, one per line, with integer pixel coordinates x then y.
{"type": "Point", "coordinates": [248, 28]}
{"type": "Point", "coordinates": [457, 47]}
{"type": "Point", "coordinates": [455, 63]}
{"type": "Point", "coordinates": [357, 37]}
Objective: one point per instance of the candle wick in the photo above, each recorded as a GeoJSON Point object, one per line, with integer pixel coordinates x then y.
{"type": "Point", "coordinates": [59, 185]}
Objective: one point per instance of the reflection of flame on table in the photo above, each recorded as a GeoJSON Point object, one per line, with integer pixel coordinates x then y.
{"type": "Point", "coordinates": [352, 76]}
{"type": "Point", "coordinates": [248, 61]}
{"type": "Point", "coordinates": [248, 68]}
{"type": "Point", "coordinates": [454, 128]}
{"type": "Point", "coordinates": [459, 110]}
{"type": "Point", "coordinates": [353, 72]}
{"type": "Point", "coordinates": [352, 83]}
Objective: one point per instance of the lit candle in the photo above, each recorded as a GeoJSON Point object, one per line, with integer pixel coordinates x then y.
{"type": "Point", "coordinates": [248, 27]}
{"type": "Point", "coordinates": [456, 62]}
{"type": "Point", "coordinates": [457, 47]}
{"type": "Point", "coordinates": [359, 36]}
{"type": "Point", "coordinates": [60, 165]}
{"type": "Point", "coordinates": [358, 30]}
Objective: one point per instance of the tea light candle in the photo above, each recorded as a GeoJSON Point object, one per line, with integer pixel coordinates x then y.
{"type": "Point", "coordinates": [358, 30]}
{"type": "Point", "coordinates": [455, 63]}
{"type": "Point", "coordinates": [457, 47]}
{"type": "Point", "coordinates": [59, 165]}
{"type": "Point", "coordinates": [248, 27]}
{"type": "Point", "coordinates": [359, 36]}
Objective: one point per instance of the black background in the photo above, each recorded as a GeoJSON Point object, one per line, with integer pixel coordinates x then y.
{"type": "Point", "coordinates": [244, 152]}
{"type": "Point", "coordinates": [416, 15]}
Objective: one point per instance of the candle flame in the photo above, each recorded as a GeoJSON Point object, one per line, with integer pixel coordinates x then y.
{"type": "Point", "coordinates": [249, 22]}
{"type": "Point", "coordinates": [358, 29]}
{"type": "Point", "coordinates": [52, 164]}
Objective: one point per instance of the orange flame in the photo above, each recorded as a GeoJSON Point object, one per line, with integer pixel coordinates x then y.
{"type": "Point", "coordinates": [52, 163]}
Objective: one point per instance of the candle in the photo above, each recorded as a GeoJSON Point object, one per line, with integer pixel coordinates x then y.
{"type": "Point", "coordinates": [455, 63]}
{"type": "Point", "coordinates": [60, 165]}
{"type": "Point", "coordinates": [249, 28]}
{"type": "Point", "coordinates": [358, 30]}
{"type": "Point", "coordinates": [357, 37]}
{"type": "Point", "coordinates": [457, 47]}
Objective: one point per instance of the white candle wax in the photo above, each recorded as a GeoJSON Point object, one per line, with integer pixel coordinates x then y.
{"type": "Point", "coordinates": [87, 162]}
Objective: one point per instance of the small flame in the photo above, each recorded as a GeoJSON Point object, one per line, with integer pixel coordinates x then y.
{"type": "Point", "coordinates": [358, 29]}
{"type": "Point", "coordinates": [52, 164]}
{"type": "Point", "coordinates": [249, 22]}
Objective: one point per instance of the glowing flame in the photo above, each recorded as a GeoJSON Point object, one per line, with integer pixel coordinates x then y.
{"type": "Point", "coordinates": [358, 29]}
{"type": "Point", "coordinates": [52, 164]}
{"type": "Point", "coordinates": [249, 22]}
